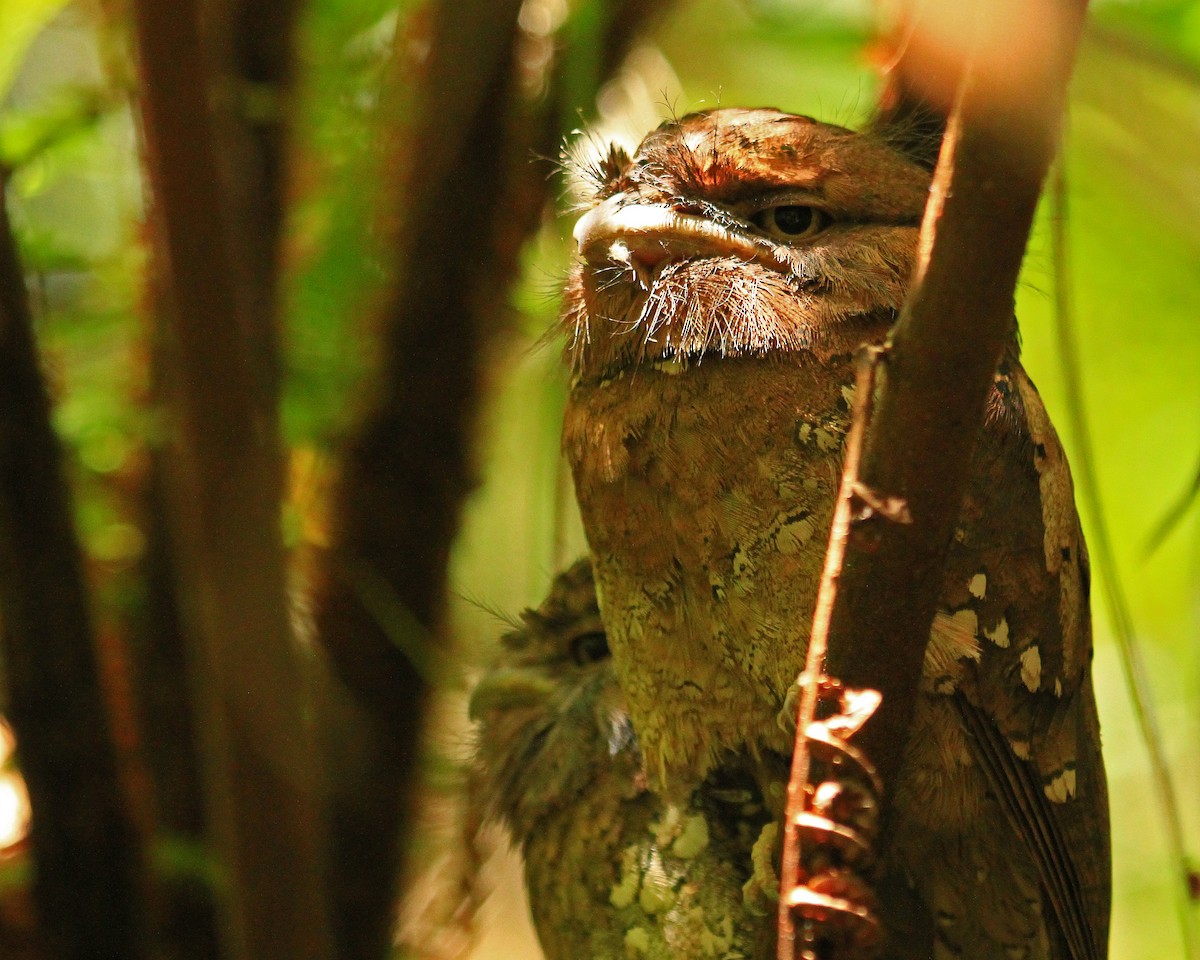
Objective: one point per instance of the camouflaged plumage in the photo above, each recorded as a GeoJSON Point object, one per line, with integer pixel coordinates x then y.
{"type": "Point", "coordinates": [729, 268]}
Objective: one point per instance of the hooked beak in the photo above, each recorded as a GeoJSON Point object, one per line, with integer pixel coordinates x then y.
{"type": "Point", "coordinates": [644, 236]}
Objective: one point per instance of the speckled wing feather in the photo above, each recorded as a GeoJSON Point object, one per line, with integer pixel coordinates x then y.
{"type": "Point", "coordinates": [1019, 566]}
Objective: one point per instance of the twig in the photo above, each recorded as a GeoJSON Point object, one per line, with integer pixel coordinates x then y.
{"type": "Point", "coordinates": [814, 665]}
{"type": "Point", "coordinates": [87, 861]}
{"type": "Point", "coordinates": [1173, 516]}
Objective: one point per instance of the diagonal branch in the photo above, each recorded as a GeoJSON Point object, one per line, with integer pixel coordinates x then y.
{"type": "Point", "coordinates": [943, 355]}
{"type": "Point", "coordinates": [948, 341]}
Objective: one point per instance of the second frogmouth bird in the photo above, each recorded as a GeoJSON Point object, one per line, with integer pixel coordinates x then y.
{"type": "Point", "coordinates": [728, 269]}
{"type": "Point", "coordinates": [613, 869]}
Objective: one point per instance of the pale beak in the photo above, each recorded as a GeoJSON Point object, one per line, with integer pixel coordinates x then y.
{"type": "Point", "coordinates": [644, 236]}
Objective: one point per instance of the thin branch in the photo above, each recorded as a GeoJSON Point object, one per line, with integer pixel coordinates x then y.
{"type": "Point", "coordinates": [87, 861]}
{"type": "Point", "coordinates": [1173, 516]}
{"type": "Point", "coordinates": [225, 487]}
{"type": "Point", "coordinates": [810, 680]}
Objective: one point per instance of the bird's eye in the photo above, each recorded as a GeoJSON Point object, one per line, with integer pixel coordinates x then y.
{"type": "Point", "coordinates": [790, 222]}
{"type": "Point", "coordinates": [589, 647]}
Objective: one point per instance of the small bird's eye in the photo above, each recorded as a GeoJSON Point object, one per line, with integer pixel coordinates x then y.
{"type": "Point", "coordinates": [790, 222]}
{"type": "Point", "coordinates": [589, 647]}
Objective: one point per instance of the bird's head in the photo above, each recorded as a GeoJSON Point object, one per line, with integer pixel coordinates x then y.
{"type": "Point", "coordinates": [551, 718]}
{"type": "Point", "coordinates": [740, 232]}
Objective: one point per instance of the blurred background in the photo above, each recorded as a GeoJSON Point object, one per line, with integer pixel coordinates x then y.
{"type": "Point", "coordinates": [1132, 199]}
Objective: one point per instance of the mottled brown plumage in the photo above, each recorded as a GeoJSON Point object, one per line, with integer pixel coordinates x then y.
{"type": "Point", "coordinates": [729, 268]}
{"type": "Point", "coordinates": [613, 869]}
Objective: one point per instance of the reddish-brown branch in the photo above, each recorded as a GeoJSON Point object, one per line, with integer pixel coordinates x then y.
{"type": "Point", "coordinates": [225, 497]}
{"type": "Point", "coordinates": [945, 348]}
{"type": "Point", "coordinates": [810, 680]}
{"type": "Point", "coordinates": [254, 60]}
{"type": "Point", "coordinates": [944, 352]}
{"type": "Point", "coordinates": [184, 922]}
{"type": "Point", "coordinates": [86, 855]}
{"type": "Point", "coordinates": [251, 61]}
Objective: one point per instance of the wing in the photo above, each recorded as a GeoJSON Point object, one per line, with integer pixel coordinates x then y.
{"type": "Point", "coordinates": [1020, 565]}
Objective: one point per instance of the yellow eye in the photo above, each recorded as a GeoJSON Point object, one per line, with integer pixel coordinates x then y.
{"type": "Point", "coordinates": [790, 222]}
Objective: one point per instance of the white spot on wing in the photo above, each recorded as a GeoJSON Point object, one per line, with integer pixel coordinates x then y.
{"type": "Point", "coordinates": [1031, 668]}
{"type": "Point", "coordinates": [998, 634]}
{"type": "Point", "coordinates": [1059, 521]}
{"type": "Point", "coordinates": [978, 586]}
{"type": "Point", "coordinates": [826, 440]}
{"type": "Point", "coordinates": [1062, 787]}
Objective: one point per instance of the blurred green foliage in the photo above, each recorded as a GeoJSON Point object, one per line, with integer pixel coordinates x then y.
{"type": "Point", "coordinates": [20, 22]}
{"type": "Point", "coordinates": [1132, 163]}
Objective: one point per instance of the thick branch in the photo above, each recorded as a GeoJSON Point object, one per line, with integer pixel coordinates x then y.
{"type": "Point", "coordinates": [185, 924]}
{"type": "Point", "coordinates": [85, 849]}
{"type": "Point", "coordinates": [225, 489]}
{"type": "Point", "coordinates": [254, 60]}
{"type": "Point", "coordinates": [945, 349]}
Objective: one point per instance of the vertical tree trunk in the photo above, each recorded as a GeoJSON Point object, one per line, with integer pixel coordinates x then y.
{"type": "Point", "coordinates": [87, 861]}
{"type": "Point", "coordinates": [225, 494]}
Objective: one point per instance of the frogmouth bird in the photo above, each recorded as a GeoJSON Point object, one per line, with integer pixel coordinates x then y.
{"type": "Point", "coordinates": [613, 868]}
{"type": "Point", "coordinates": [727, 271]}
